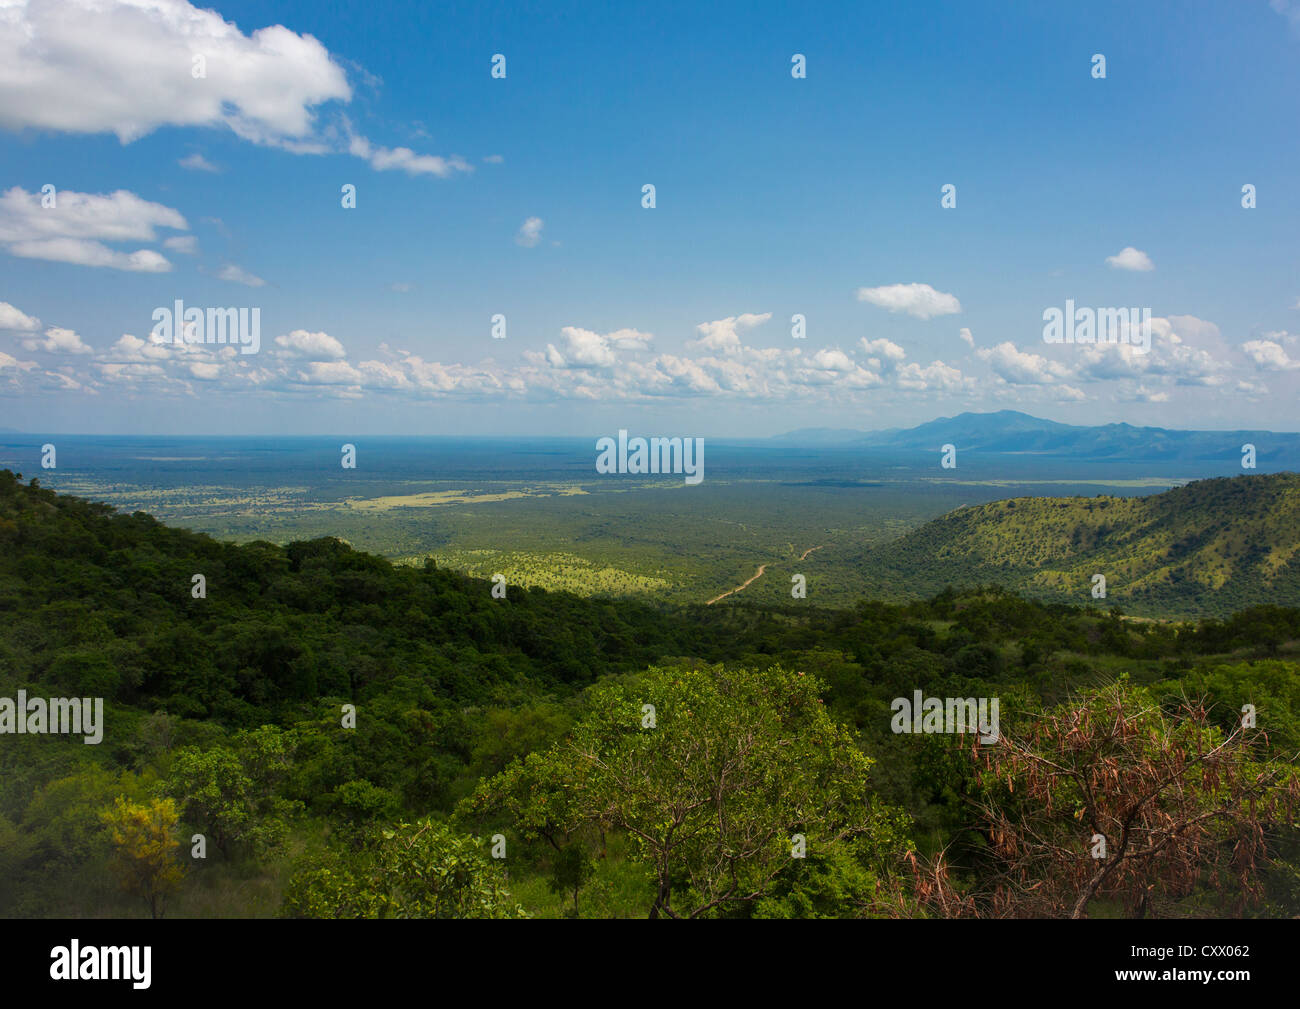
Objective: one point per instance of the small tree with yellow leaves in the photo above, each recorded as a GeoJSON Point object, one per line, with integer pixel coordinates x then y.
{"type": "Point", "coordinates": [144, 849]}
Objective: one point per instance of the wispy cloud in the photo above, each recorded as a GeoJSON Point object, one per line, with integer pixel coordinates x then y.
{"type": "Point", "coordinates": [198, 163]}
{"type": "Point", "coordinates": [403, 159]}
{"type": "Point", "coordinates": [185, 244]}
{"type": "Point", "coordinates": [238, 275]}
{"type": "Point", "coordinates": [530, 232]}
{"type": "Point", "coordinates": [1290, 10]}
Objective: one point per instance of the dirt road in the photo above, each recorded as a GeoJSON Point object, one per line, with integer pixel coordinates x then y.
{"type": "Point", "coordinates": [757, 575]}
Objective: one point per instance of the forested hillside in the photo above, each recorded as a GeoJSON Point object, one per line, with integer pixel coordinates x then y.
{"type": "Point", "coordinates": [351, 738]}
{"type": "Point", "coordinates": [1210, 548]}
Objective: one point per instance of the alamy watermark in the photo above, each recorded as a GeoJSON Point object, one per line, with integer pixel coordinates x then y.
{"type": "Point", "coordinates": [653, 455]}
{"type": "Point", "coordinates": [1101, 325]}
{"type": "Point", "coordinates": [946, 714]}
{"type": "Point", "coordinates": [179, 324]}
{"type": "Point", "coordinates": [75, 962]}
{"type": "Point", "coordinates": [59, 716]}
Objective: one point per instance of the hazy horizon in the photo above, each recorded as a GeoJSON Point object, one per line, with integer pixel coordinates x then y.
{"type": "Point", "coordinates": [664, 431]}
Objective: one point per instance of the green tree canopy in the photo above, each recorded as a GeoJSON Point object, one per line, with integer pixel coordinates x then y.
{"type": "Point", "coordinates": [412, 870]}
{"type": "Point", "coordinates": [712, 772]}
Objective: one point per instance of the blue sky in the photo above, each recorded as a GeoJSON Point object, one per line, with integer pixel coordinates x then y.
{"type": "Point", "coordinates": [775, 196]}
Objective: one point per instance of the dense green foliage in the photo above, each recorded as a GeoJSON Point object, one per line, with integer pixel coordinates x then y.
{"type": "Point", "coordinates": [420, 870]}
{"type": "Point", "coordinates": [742, 768]}
{"type": "Point", "coordinates": [235, 707]}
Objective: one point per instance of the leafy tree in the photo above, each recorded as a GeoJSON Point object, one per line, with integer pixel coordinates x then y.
{"type": "Point", "coordinates": [412, 870]}
{"type": "Point", "coordinates": [84, 673]}
{"type": "Point", "coordinates": [360, 802]}
{"type": "Point", "coordinates": [63, 818]}
{"type": "Point", "coordinates": [834, 884]}
{"type": "Point", "coordinates": [738, 761]}
{"type": "Point", "coordinates": [214, 793]}
{"type": "Point", "coordinates": [504, 734]}
{"type": "Point", "coordinates": [532, 797]}
{"type": "Point", "coordinates": [219, 796]}
{"type": "Point", "coordinates": [144, 849]}
{"type": "Point", "coordinates": [16, 848]}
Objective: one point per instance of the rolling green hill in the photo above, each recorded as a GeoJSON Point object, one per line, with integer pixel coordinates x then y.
{"type": "Point", "coordinates": [1205, 549]}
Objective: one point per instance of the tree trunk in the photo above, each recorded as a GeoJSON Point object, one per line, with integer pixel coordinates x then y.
{"type": "Point", "coordinates": [661, 898]}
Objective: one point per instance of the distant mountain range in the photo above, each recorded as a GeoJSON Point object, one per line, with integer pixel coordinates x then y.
{"type": "Point", "coordinates": [820, 436]}
{"type": "Point", "coordinates": [1211, 547]}
{"type": "Point", "coordinates": [1011, 432]}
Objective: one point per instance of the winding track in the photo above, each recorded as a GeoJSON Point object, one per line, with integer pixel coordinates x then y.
{"type": "Point", "coordinates": [757, 575]}
{"type": "Point", "coordinates": [753, 578]}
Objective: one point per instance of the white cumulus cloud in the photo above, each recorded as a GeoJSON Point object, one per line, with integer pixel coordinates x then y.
{"type": "Point", "coordinates": [58, 341]}
{"type": "Point", "coordinates": [919, 300]}
{"type": "Point", "coordinates": [1129, 258]}
{"type": "Point", "coordinates": [1269, 356]}
{"type": "Point", "coordinates": [11, 318]}
{"type": "Point", "coordinates": [316, 346]}
{"type": "Point", "coordinates": [724, 334]}
{"type": "Point", "coordinates": [127, 67]}
{"type": "Point", "coordinates": [1020, 367]}
{"type": "Point", "coordinates": [582, 348]}
{"type": "Point", "coordinates": [76, 228]}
